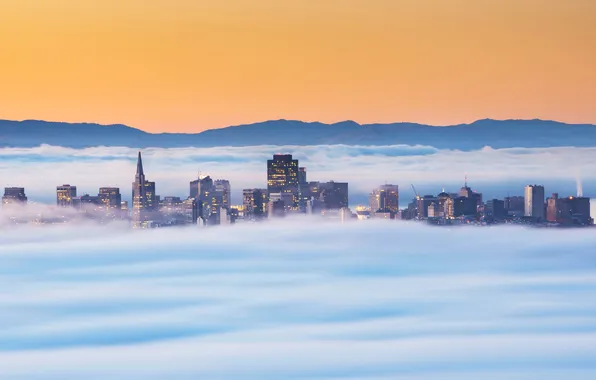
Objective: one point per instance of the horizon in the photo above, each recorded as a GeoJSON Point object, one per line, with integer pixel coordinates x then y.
{"type": "Point", "coordinates": [294, 120]}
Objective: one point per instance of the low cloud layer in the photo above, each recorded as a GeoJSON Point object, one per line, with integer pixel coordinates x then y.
{"type": "Point", "coordinates": [295, 300]}
{"type": "Point", "coordinates": [496, 172]}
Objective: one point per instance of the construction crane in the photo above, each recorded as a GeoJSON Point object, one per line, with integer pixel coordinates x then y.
{"type": "Point", "coordinates": [415, 192]}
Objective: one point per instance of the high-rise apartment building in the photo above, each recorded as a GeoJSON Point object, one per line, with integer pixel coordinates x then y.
{"type": "Point", "coordinates": [534, 202]}
{"type": "Point", "coordinates": [65, 195]}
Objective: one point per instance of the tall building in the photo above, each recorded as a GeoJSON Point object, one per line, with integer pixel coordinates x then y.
{"type": "Point", "coordinates": [282, 177]}
{"type": "Point", "coordinates": [110, 197]}
{"type": "Point", "coordinates": [575, 210]}
{"type": "Point", "coordinates": [201, 187]}
{"type": "Point", "coordinates": [534, 202]}
{"type": "Point", "coordinates": [65, 195]}
{"type": "Point", "coordinates": [255, 203]}
{"type": "Point", "coordinates": [514, 205]}
{"type": "Point", "coordinates": [334, 195]}
{"type": "Point", "coordinates": [223, 186]}
{"type": "Point", "coordinates": [495, 210]}
{"type": "Point", "coordinates": [139, 196]}
{"type": "Point", "coordinates": [14, 195]}
{"type": "Point", "coordinates": [385, 198]}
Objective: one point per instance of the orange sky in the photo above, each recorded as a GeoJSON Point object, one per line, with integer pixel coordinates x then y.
{"type": "Point", "coordinates": [189, 65]}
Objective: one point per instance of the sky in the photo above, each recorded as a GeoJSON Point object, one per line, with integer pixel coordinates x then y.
{"type": "Point", "coordinates": [190, 65]}
{"type": "Point", "coordinates": [297, 300]}
{"type": "Point", "coordinates": [493, 172]}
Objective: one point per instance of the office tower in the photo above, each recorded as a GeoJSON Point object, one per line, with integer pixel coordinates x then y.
{"type": "Point", "coordinates": [385, 198]}
{"type": "Point", "coordinates": [255, 203]}
{"type": "Point", "coordinates": [110, 197]}
{"type": "Point", "coordinates": [534, 202]}
{"type": "Point", "coordinates": [334, 195]}
{"type": "Point", "coordinates": [301, 176]}
{"type": "Point", "coordinates": [514, 205]}
{"type": "Point", "coordinates": [282, 177]}
{"type": "Point", "coordinates": [14, 195]}
{"type": "Point", "coordinates": [201, 187]}
{"type": "Point", "coordinates": [494, 209]}
{"type": "Point", "coordinates": [464, 206]}
{"type": "Point", "coordinates": [223, 186]}
{"type": "Point", "coordinates": [152, 197]}
{"type": "Point", "coordinates": [444, 203]}
{"type": "Point", "coordinates": [139, 196]}
{"type": "Point", "coordinates": [65, 195]}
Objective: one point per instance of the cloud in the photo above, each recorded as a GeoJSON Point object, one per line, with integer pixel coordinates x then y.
{"type": "Point", "coordinates": [297, 299]}
{"type": "Point", "coordinates": [496, 172]}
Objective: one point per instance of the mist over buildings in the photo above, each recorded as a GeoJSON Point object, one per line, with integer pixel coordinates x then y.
{"type": "Point", "coordinates": [496, 172]}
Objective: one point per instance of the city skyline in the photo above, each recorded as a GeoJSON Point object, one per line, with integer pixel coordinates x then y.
{"type": "Point", "coordinates": [290, 192]}
{"type": "Point", "coordinates": [435, 62]}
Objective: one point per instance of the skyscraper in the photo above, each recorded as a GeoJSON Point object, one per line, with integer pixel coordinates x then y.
{"type": "Point", "coordinates": [282, 177]}
{"type": "Point", "coordinates": [65, 195]}
{"type": "Point", "coordinates": [334, 195]}
{"type": "Point", "coordinates": [139, 196]}
{"type": "Point", "coordinates": [223, 186]}
{"type": "Point", "coordinates": [200, 187]}
{"type": "Point", "coordinates": [14, 195]}
{"type": "Point", "coordinates": [534, 202]}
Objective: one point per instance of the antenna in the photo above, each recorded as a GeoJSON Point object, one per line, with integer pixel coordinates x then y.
{"type": "Point", "coordinates": [466, 180]}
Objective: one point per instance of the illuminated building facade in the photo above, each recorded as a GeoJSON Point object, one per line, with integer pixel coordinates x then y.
{"type": "Point", "coordinates": [385, 198]}
{"type": "Point", "coordinates": [534, 202]}
{"type": "Point", "coordinates": [110, 197]}
{"type": "Point", "coordinates": [65, 195]}
{"type": "Point", "coordinates": [282, 177]}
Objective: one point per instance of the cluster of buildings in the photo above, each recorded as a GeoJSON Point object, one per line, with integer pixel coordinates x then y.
{"type": "Point", "coordinates": [467, 207]}
{"type": "Point", "coordinates": [289, 192]}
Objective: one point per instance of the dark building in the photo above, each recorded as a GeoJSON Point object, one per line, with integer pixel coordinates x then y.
{"type": "Point", "coordinates": [575, 210]}
{"type": "Point", "coordinates": [199, 188]}
{"type": "Point", "coordinates": [277, 209]}
{"type": "Point", "coordinates": [65, 195]}
{"type": "Point", "coordinates": [334, 194]}
{"type": "Point", "coordinates": [464, 206]}
{"type": "Point", "coordinates": [494, 210]}
{"type": "Point", "coordinates": [152, 198]}
{"type": "Point", "coordinates": [110, 197]}
{"type": "Point", "coordinates": [14, 195]}
{"type": "Point", "coordinates": [222, 186]}
{"type": "Point", "coordinates": [282, 177]}
{"type": "Point", "coordinates": [514, 205]}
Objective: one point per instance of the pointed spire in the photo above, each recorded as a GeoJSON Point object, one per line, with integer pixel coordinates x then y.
{"type": "Point", "coordinates": [140, 165]}
{"type": "Point", "coordinates": [466, 180]}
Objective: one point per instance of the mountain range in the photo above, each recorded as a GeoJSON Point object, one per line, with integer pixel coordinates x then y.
{"type": "Point", "coordinates": [476, 135]}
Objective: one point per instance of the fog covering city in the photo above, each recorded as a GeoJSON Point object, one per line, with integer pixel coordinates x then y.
{"type": "Point", "coordinates": [298, 298]}
{"type": "Point", "coordinates": [494, 172]}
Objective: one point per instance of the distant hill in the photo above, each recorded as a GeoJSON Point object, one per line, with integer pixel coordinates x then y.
{"type": "Point", "coordinates": [487, 132]}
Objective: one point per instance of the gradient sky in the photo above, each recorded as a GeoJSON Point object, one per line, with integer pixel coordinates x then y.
{"type": "Point", "coordinates": [189, 65]}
